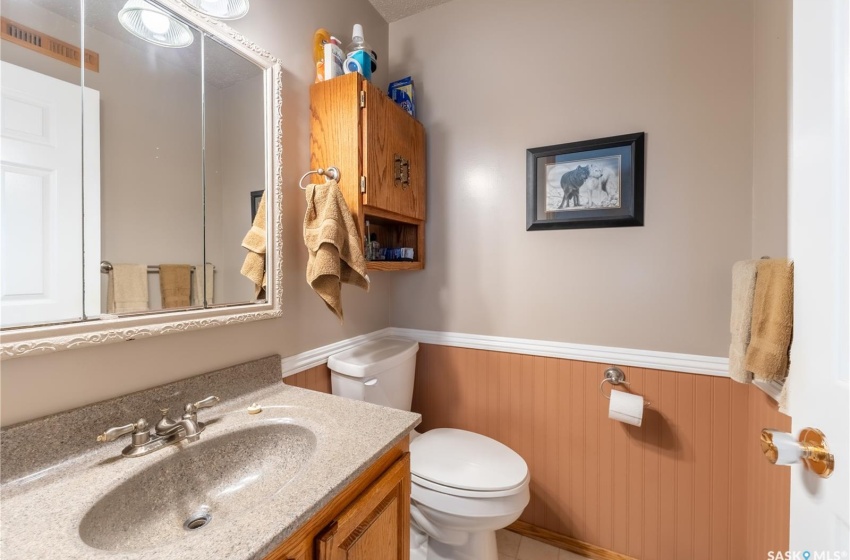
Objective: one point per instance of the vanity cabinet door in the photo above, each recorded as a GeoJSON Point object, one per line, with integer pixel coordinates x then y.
{"type": "Point", "coordinates": [393, 156]}
{"type": "Point", "coordinates": [376, 525]}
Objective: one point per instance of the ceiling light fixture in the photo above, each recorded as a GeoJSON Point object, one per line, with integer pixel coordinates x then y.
{"type": "Point", "coordinates": [220, 9]}
{"type": "Point", "coordinates": [154, 25]}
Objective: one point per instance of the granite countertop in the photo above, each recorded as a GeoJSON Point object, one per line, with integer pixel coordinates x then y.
{"type": "Point", "coordinates": [44, 506]}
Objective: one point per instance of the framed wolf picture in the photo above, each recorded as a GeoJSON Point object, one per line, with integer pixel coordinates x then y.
{"type": "Point", "coordinates": [588, 184]}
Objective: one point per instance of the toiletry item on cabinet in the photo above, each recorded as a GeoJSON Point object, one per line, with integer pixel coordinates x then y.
{"type": "Point", "coordinates": [334, 58]}
{"type": "Point", "coordinates": [320, 38]}
{"type": "Point", "coordinates": [374, 246]}
{"type": "Point", "coordinates": [401, 92]}
{"type": "Point", "coordinates": [359, 54]}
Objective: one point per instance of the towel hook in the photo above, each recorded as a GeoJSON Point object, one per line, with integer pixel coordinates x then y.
{"type": "Point", "coordinates": [614, 376]}
{"type": "Point", "coordinates": [330, 172]}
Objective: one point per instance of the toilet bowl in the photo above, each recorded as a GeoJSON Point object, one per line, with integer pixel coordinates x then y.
{"type": "Point", "coordinates": [464, 486]}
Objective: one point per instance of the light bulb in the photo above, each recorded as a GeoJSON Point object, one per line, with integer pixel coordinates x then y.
{"type": "Point", "coordinates": [155, 22]}
{"type": "Point", "coordinates": [215, 8]}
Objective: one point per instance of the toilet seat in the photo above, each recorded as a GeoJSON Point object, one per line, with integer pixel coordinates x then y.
{"type": "Point", "coordinates": [483, 495]}
{"type": "Point", "coordinates": [462, 463]}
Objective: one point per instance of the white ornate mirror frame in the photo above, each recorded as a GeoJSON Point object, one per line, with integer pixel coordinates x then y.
{"type": "Point", "coordinates": [51, 338]}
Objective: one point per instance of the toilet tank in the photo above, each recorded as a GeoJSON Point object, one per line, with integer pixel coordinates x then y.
{"type": "Point", "coordinates": [380, 371]}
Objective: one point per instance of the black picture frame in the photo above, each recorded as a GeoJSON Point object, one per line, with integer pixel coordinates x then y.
{"type": "Point", "coordinates": [256, 196]}
{"type": "Point", "coordinates": [589, 184]}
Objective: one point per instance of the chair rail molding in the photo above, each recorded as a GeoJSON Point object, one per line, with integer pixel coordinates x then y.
{"type": "Point", "coordinates": [652, 359]}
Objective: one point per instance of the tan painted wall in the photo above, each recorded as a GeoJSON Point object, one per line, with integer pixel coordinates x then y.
{"type": "Point", "coordinates": [771, 111]}
{"type": "Point", "coordinates": [35, 386]}
{"type": "Point", "coordinates": [495, 78]}
{"type": "Point", "coordinates": [236, 169]}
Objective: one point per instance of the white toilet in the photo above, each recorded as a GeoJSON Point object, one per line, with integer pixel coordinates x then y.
{"type": "Point", "coordinates": [465, 486]}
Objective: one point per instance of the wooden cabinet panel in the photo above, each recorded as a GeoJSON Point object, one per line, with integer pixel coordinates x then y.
{"type": "Point", "coordinates": [335, 135]}
{"type": "Point", "coordinates": [394, 156]}
{"type": "Point", "coordinates": [301, 553]}
{"type": "Point", "coordinates": [376, 526]}
{"type": "Point", "coordinates": [301, 545]}
{"type": "Point", "coordinates": [381, 143]}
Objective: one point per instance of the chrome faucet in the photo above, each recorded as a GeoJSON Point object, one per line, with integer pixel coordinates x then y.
{"type": "Point", "coordinates": [166, 432]}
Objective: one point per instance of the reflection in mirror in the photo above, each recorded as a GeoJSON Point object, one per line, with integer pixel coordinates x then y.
{"type": "Point", "coordinates": [151, 111]}
{"type": "Point", "coordinates": [129, 186]}
{"type": "Point", "coordinates": [235, 166]}
{"type": "Point", "coordinates": [41, 226]}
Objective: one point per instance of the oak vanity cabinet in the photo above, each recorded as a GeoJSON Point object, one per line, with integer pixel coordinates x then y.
{"type": "Point", "coordinates": [380, 152]}
{"type": "Point", "coordinates": [369, 520]}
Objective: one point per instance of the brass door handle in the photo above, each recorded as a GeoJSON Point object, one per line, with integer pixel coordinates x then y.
{"type": "Point", "coordinates": [810, 448]}
{"type": "Point", "coordinates": [401, 171]}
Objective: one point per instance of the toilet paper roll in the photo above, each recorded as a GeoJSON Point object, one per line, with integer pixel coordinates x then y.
{"type": "Point", "coordinates": [626, 407]}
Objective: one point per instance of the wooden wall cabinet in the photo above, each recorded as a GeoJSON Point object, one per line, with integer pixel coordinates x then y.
{"type": "Point", "coordinates": [369, 520]}
{"type": "Point", "coordinates": [380, 152]}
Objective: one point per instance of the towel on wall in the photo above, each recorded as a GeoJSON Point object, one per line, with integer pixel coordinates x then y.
{"type": "Point", "coordinates": [334, 245]}
{"type": "Point", "coordinates": [743, 289]}
{"type": "Point", "coordinates": [203, 285]}
{"type": "Point", "coordinates": [254, 266]}
{"type": "Point", "coordinates": [773, 320]}
{"type": "Point", "coordinates": [127, 289]}
{"type": "Point", "coordinates": [175, 284]}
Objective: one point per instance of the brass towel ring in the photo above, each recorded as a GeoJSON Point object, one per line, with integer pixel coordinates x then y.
{"type": "Point", "coordinates": [330, 172]}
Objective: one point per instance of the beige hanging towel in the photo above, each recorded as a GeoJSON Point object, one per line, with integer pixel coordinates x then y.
{"type": "Point", "coordinates": [254, 266]}
{"type": "Point", "coordinates": [127, 289]}
{"type": "Point", "coordinates": [773, 320]}
{"type": "Point", "coordinates": [203, 285]}
{"type": "Point", "coordinates": [175, 285]}
{"type": "Point", "coordinates": [743, 288]}
{"type": "Point", "coordinates": [334, 245]}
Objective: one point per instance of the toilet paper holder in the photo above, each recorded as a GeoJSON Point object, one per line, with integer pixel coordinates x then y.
{"type": "Point", "coordinates": [614, 376]}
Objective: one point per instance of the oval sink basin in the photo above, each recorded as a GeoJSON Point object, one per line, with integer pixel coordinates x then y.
{"type": "Point", "coordinates": [199, 487]}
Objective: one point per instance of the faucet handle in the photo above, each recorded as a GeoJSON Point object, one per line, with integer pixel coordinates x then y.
{"type": "Point", "coordinates": [114, 433]}
{"type": "Point", "coordinates": [192, 408]}
{"type": "Point", "coordinates": [207, 402]}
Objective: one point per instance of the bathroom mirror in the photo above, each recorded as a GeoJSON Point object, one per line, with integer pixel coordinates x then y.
{"type": "Point", "coordinates": [129, 185]}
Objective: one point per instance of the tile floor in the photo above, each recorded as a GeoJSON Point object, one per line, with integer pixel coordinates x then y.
{"type": "Point", "coordinates": [516, 547]}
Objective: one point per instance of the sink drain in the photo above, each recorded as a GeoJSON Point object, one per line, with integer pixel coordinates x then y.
{"type": "Point", "coordinates": [197, 520]}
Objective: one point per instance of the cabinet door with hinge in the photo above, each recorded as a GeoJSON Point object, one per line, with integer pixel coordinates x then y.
{"type": "Point", "coordinates": [393, 156]}
{"type": "Point", "coordinates": [376, 526]}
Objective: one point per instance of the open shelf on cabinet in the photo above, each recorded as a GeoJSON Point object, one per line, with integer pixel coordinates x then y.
{"type": "Point", "coordinates": [392, 231]}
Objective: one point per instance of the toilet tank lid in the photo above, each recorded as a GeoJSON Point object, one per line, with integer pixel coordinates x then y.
{"type": "Point", "coordinates": [373, 357]}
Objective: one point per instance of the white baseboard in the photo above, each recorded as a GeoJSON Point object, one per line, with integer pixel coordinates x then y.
{"type": "Point", "coordinates": [667, 361]}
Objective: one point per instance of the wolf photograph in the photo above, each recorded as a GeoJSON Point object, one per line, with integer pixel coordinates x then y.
{"type": "Point", "coordinates": [583, 184]}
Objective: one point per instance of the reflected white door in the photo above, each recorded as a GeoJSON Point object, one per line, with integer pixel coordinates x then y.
{"type": "Point", "coordinates": [41, 197]}
{"type": "Point", "coordinates": [818, 243]}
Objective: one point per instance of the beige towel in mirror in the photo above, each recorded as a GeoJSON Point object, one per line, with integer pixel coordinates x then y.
{"type": "Point", "coordinates": [203, 285]}
{"type": "Point", "coordinates": [175, 284]}
{"type": "Point", "coordinates": [334, 245]}
{"type": "Point", "coordinates": [127, 289]}
{"type": "Point", "coordinates": [254, 266]}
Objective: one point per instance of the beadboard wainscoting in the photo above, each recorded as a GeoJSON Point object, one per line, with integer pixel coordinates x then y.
{"type": "Point", "coordinates": [690, 483]}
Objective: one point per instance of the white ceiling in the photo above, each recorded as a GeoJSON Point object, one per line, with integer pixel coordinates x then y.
{"type": "Point", "coordinates": [394, 10]}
